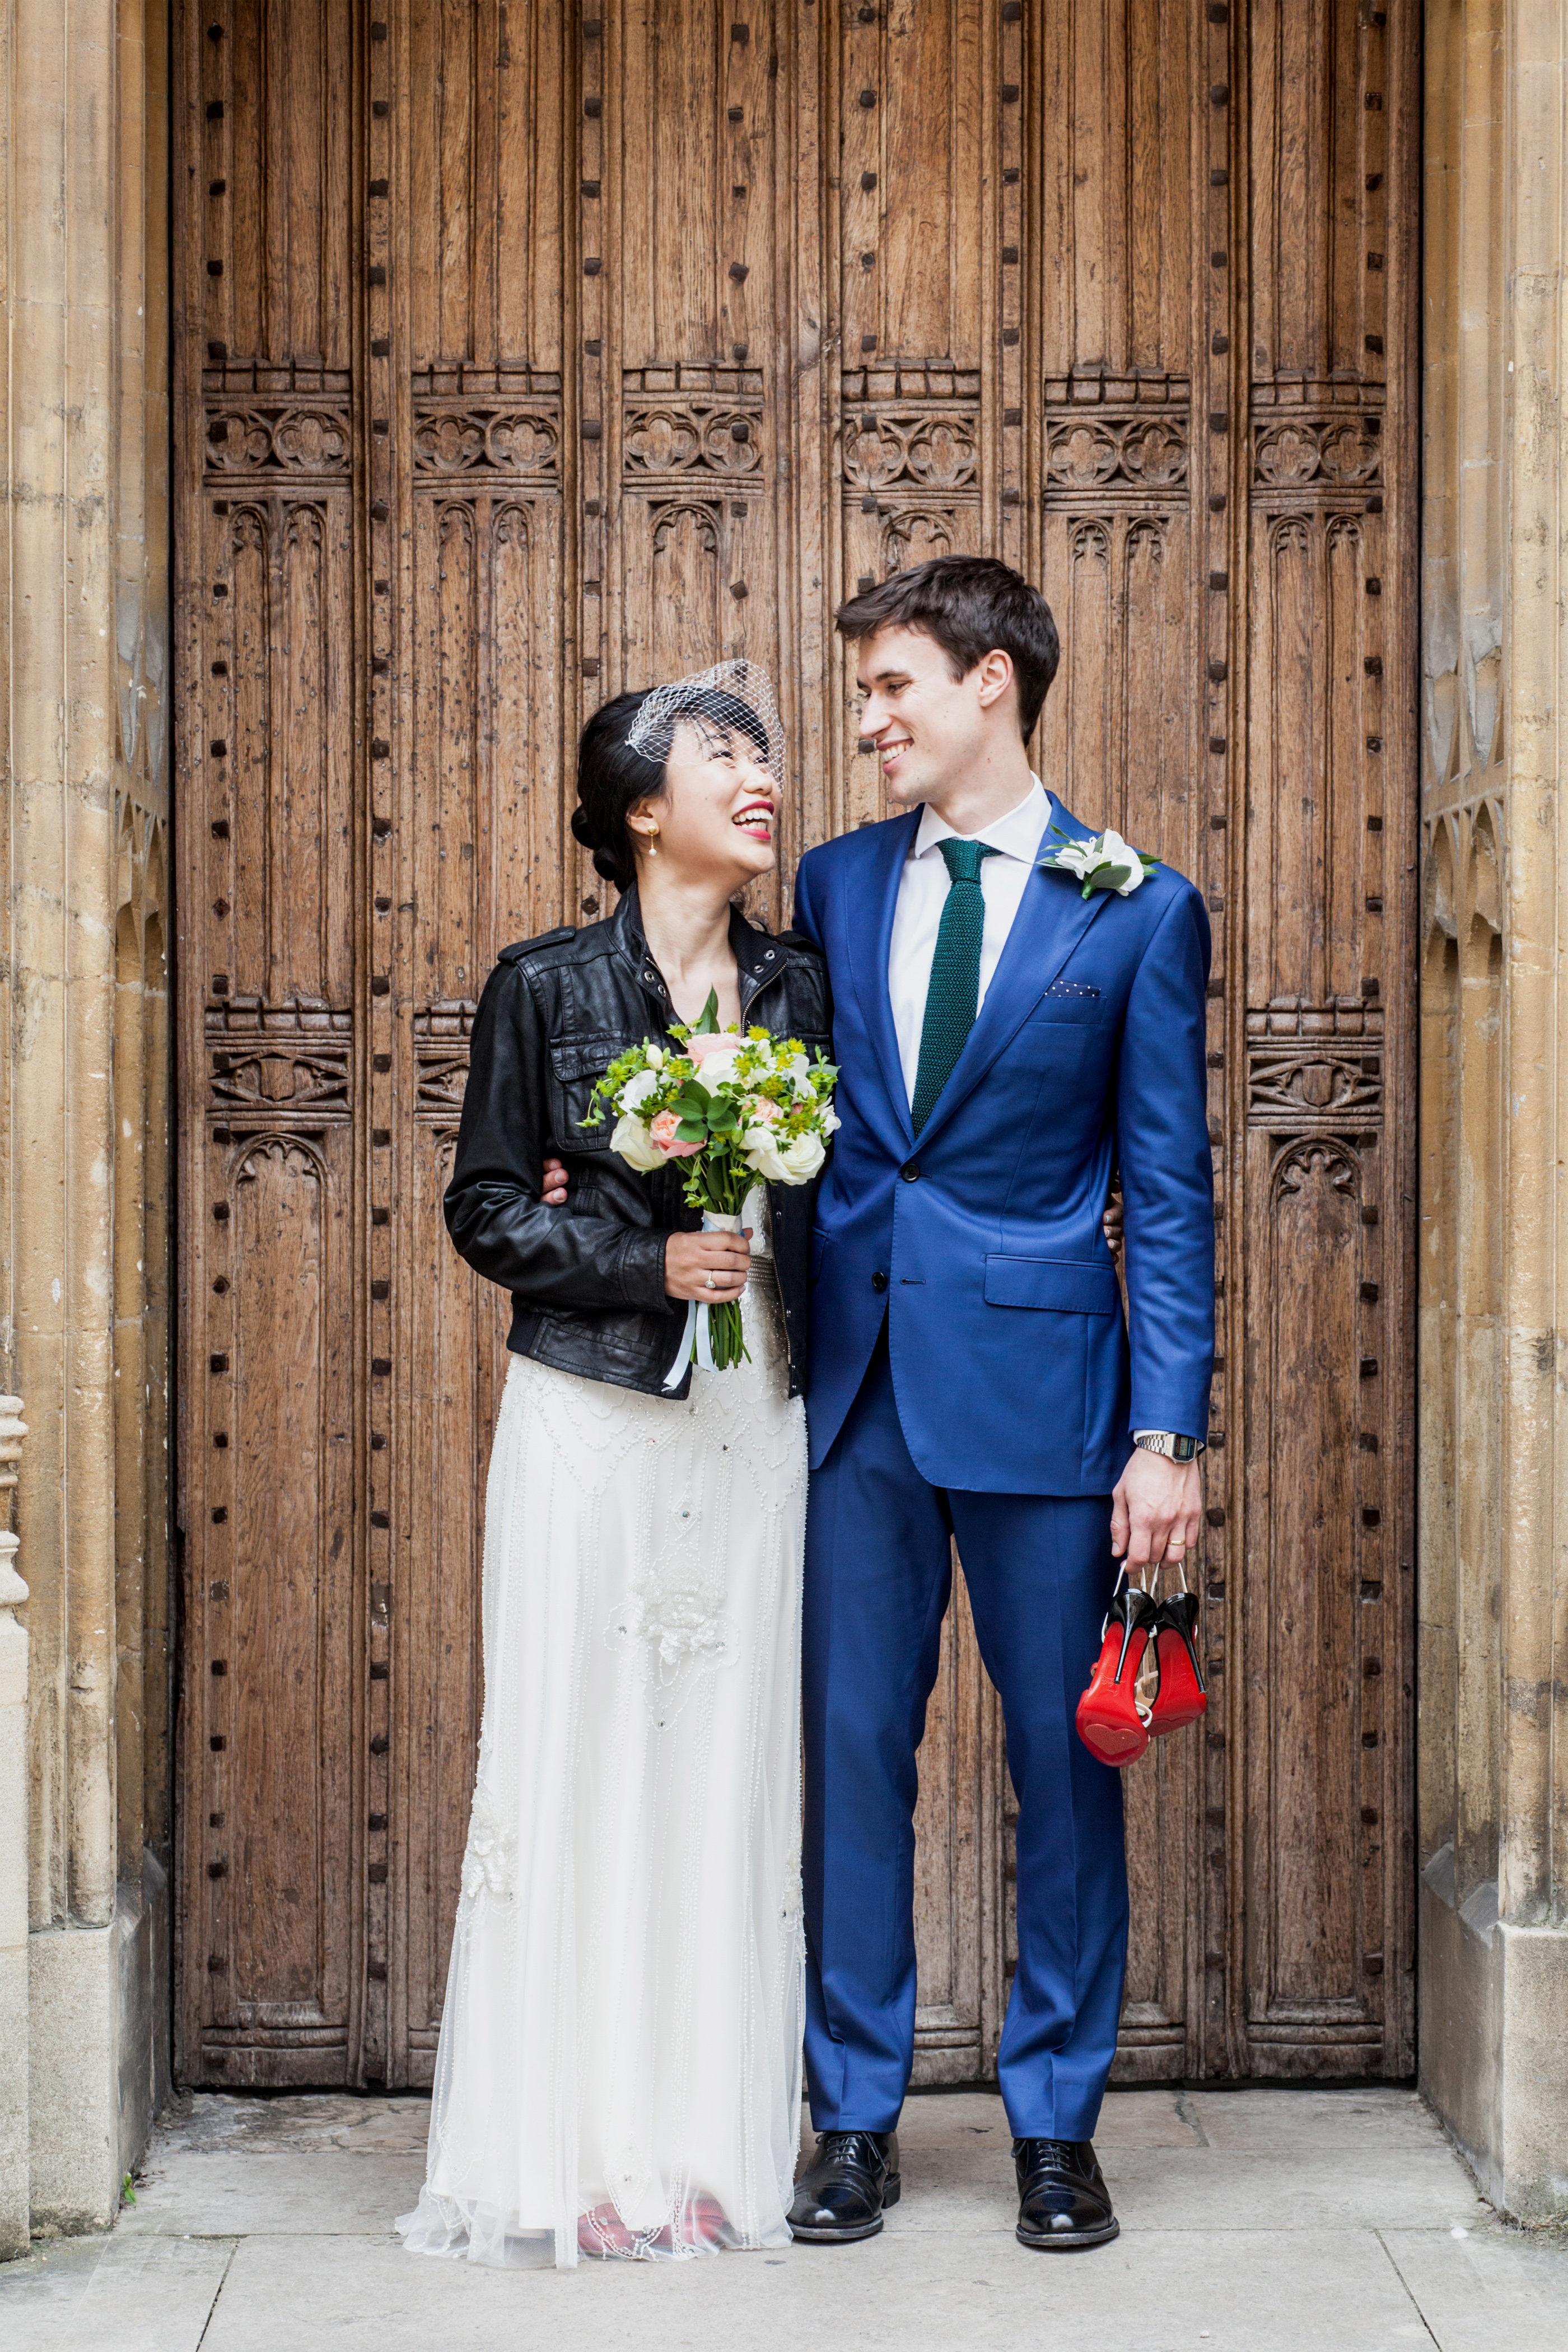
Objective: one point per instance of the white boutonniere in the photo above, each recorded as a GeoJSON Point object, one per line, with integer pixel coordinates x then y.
{"type": "Point", "coordinates": [1106, 863]}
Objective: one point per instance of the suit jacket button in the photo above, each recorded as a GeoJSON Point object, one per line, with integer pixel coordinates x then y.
{"type": "Point", "coordinates": [910, 1171]}
{"type": "Point", "coordinates": [879, 1282]}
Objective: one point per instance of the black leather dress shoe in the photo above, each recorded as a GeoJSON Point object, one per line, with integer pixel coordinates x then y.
{"type": "Point", "coordinates": [1063, 2201]}
{"type": "Point", "coordinates": [852, 2178]}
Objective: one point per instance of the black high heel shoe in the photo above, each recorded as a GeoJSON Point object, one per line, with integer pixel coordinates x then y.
{"type": "Point", "coordinates": [1181, 1698]}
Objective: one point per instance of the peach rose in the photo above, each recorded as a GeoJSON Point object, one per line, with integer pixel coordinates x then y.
{"type": "Point", "coordinates": [762, 1112]}
{"type": "Point", "coordinates": [664, 1130]}
{"type": "Point", "coordinates": [713, 1040]}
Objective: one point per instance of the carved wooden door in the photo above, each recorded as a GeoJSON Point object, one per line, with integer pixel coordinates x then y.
{"type": "Point", "coordinates": [524, 353]}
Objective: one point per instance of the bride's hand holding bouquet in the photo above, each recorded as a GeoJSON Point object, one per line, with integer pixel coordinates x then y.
{"type": "Point", "coordinates": [737, 1107]}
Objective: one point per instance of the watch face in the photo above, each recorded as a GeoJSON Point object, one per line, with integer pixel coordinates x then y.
{"type": "Point", "coordinates": [1183, 1449]}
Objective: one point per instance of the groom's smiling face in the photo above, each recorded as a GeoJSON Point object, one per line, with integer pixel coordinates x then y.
{"type": "Point", "coordinates": [930, 727]}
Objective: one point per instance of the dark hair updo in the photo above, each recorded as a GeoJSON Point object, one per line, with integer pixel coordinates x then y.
{"type": "Point", "coordinates": [613, 779]}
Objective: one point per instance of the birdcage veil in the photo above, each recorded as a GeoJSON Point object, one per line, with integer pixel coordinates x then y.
{"type": "Point", "coordinates": [732, 698]}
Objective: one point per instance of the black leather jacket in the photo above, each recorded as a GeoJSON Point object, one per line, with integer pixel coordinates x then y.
{"type": "Point", "coordinates": [587, 1280]}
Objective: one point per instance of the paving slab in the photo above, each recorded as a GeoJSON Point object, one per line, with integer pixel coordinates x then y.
{"type": "Point", "coordinates": [257, 2192]}
{"type": "Point", "coordinates": [949, 2120]}
{"type": "Point", "coordinates": [1491, 2288]}
{"type": "Point", "coordinates": [955, 2156]}
{"type": "Point", "coordinates": [1256, 2122]}
{"type": "Point", "coordinates": [121, 2293]}
{"type": "Point", "coordinates": [1334, 2292]}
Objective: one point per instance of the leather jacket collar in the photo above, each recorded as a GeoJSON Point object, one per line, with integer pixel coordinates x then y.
{"type": "Point", "coordinates": [758, 954]}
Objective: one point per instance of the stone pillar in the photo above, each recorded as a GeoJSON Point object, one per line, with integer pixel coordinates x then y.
{"type": "Point", "coordinates": [15, 2194]}
{"type": "Point", "coordinates": [83, 1315]}
{"type": "Point", "coordinates": [1494, 1232]}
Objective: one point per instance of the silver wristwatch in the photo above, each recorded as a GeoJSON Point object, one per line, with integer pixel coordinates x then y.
{"type": "Point", "coordinates": [1168, 1442]}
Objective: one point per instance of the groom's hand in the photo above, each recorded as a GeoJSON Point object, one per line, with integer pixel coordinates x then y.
{"type": "Point", "coordinates": [552, 1187]}
{"type": "Point", "coordinates": [1155, 1511]}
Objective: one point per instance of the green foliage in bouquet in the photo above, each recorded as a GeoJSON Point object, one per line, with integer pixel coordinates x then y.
{"type": "Point", "coordinates": [736, 1106]}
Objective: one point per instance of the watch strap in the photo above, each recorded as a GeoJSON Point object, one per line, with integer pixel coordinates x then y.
{"type": "Point", "coordinates": [1173, 1444]}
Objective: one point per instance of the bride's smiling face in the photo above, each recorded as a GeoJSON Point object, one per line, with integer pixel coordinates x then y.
{"type": "Point", "coordinates": [716, 817]}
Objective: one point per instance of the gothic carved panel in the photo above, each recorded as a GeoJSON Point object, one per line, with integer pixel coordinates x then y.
{"type": "Point", "coordinates": [268, 1080]}
{"type": "Point", "coordinates": [451, 438]}
{"type": "Point", "coordinates": [1097, 452]}
{"type": "Point", "coordinates": [931, 448]}
{"type": "Point", "coordinates": [278, 745]}
{"type": "Point", "coordinates": [275, 1477]}
{"type": "Point", "coordinates": [1315, 1960]}
{"type": "Point", "coordinates": [1115, 730]}
{"type": "Point", "coordinates": [1326, 452]}
{"type": "Point", "coordinates": [285, 439]}
{"type": "Point", "coordinates": [1314, 1086]}
{"type": "Point", "coordinates": [667, 440]}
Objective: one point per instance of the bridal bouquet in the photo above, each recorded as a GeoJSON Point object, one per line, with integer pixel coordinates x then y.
{"type": "Point", "coordinates": [737, 1106]}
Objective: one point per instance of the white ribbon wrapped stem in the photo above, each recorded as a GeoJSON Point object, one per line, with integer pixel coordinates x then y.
{"type": "Point", "coordinates": [697, 1339]}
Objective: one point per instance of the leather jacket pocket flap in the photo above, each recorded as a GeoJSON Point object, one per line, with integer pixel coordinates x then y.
{"type": "Point", "coordinates": [582, 1057]}
{"type": "Point", "coordinates": [576, 1064]}
{"type": "Point", "coordinates": [1070, 1286]}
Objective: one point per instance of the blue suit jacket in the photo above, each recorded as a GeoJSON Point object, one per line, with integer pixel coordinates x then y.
{"type": "Point", "coordinates": [1013, 1370]}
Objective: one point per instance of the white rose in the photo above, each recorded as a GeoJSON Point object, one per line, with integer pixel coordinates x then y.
{"type": "Point", "coordinates": [795, 1163]}
{"type": "Point", "coordinates": [638, 1090]}
{"type": "Point", "coordinates": [760, 1150]}
{"type": "Point", "coordinates": [1114, 851]}
{"type": "Point", "coordinates": [716, 1070]}
{"type": "Point", "coordinates": [803, 1158]}
{"type": "Point", "coordinates": [635, 1146]}
{"type": "Point", "coordinates": [800, 1078]}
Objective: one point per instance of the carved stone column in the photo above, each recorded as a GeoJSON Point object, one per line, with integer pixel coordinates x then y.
{"type": "Point", "coordinates": [82, 803]}
{"type": "Point", "coordinates": [1494, 1440]}
{"type": "Point", "coordinates": [14, 2171]}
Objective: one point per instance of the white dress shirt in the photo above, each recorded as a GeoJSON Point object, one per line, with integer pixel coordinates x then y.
{"type": "Point", "coordinates": [923, 894]}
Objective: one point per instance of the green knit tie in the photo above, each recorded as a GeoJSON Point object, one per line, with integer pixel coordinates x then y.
{"type": "Point", "coordinates": [954, 991]}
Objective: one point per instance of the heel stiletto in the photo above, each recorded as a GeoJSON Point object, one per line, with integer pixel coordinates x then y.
{"type": "Point", "coordinates": [1181, 1698]}
{"type": "Point", "coordinates": [1112, 1723]}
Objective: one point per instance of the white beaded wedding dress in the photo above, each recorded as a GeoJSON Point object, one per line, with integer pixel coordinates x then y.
{"type": "Point", "coordinates": [619, 2064]}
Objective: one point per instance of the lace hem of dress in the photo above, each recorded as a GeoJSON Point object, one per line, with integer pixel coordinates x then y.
{"type": "Point", "coordinates": [463, 2229]}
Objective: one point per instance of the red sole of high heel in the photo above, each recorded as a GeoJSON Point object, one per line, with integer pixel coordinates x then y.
{"type": "Point", "coordinates": [1107, 1720]}
{"type": "Point", "coordinates": [1110, 1745]}
{"type": "Point", "coordinates": [1182, 1698]}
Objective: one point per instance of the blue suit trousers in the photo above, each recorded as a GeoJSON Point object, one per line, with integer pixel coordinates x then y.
{"type": "Point", "coordinates": [877, 1578]}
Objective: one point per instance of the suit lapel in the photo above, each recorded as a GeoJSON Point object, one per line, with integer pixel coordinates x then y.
{"type": "Point", "coordinates": [874, 895]}
{"type": "Point", "coordinates": [1052, 918]}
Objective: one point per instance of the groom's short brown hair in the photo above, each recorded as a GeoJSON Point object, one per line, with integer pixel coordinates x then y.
{"type": "Point", "coordinates": [969, 604]}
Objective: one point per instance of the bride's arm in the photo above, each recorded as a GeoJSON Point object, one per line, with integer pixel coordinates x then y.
{"type": "Point", "coordinates": [496, 1212]}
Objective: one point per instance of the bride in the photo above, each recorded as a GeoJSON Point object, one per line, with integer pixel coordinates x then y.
{"type": "Point", "coordinates": [619, 2063]}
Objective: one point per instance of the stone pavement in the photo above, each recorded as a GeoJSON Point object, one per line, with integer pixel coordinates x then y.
{"type": "Point", "coordinates": [1251, 2221]}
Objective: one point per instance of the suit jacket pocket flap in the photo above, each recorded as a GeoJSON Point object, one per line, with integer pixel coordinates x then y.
{"type": "Point", "coordinates": [1071, 1285]}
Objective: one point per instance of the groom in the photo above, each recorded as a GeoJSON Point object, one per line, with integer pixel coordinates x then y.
{"type": "Point", "coordinates": [1005, 1044]}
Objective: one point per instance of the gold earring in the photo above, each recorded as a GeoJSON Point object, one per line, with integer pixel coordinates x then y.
{"type": "Point", "coordinates": [651, 837]}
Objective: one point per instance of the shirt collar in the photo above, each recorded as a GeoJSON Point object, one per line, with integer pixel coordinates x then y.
{"type": "Point", "coordinates": [1016, 834]}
